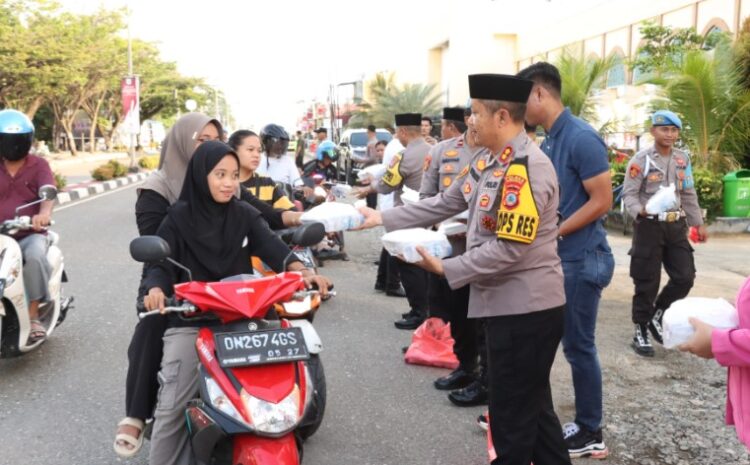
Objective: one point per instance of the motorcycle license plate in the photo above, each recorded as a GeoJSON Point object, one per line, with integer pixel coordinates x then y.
{"type": "Point", "coordinates": [260, 347]}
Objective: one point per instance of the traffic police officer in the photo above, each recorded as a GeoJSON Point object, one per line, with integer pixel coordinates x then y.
{"type": "Point", "coordinates": [511, 265]}
{"type": "Point", "coordinates": [405, 169]}
{"type": "Point", "coordinates": [660, 238]}
{"type": "Point", "coordinates": [445, 161]}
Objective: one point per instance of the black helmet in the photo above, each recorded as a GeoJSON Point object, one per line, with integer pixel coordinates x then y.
{"type": "Point", "coordinates": [275, 139]}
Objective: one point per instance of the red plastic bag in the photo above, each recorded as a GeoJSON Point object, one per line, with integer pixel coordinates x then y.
{"type": "Point", "coordinates": [432, 345]}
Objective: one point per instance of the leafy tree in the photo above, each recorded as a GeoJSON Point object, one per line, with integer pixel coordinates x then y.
{"type": "Point", "coordinates": [580, 80]}
{"type": "Point", "coordinates": [665, 48]}
{"type": "Point", "coordinates": [708, 93]}
{"type": "Point", "coordinates": [388, 99]}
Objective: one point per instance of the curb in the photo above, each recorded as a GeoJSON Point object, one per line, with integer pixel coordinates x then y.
{"type": "Point", "coordinates": [91, 190]}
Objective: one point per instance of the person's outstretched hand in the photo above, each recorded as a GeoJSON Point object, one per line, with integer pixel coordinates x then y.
{"type": "Point", "coordinates": [372, 218]}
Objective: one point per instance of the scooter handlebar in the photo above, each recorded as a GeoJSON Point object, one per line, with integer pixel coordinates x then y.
{"type": "Point", "coordinates": [171, 304]}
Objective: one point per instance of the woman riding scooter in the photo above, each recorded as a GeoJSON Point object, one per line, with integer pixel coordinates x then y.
{"type": "Point", "coordinates": [154, 199]}
{"type": "Point", "coordinates": [213, 234]}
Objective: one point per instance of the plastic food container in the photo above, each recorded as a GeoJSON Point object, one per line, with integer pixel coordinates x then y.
{"type": "Point", "coordinates": [335, 216]}
{"type": "Point", "coordinates": [404, 242]}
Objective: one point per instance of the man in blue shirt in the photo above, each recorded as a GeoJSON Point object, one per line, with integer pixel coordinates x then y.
{"type": "Point", "coordinates": [580, 159]}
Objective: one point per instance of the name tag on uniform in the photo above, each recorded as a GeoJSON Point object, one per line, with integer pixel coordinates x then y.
{"type": "Point", "coordinates": [517, 217]}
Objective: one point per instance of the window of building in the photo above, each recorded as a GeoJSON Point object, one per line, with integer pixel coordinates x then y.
{"type": "Point", "coordinates": [617, 74]}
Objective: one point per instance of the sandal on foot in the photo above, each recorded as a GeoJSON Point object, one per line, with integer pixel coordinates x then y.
{"type": "Point", "coordinates": [136, 442]}
{"type": "Point", "coordinates": [37, 331]}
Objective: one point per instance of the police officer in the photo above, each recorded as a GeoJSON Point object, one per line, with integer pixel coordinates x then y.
{"type": "Point", "coordinates": [511, 265]}
{"type": "Point", "coordinates": [405, 169]}
{"type": "Point", "coordinates": [663, 238]}
{"type": "Point", "coordinates": [444, 162]}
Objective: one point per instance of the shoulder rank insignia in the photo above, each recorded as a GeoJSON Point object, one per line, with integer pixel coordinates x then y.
{"type": "Point", "coordinates": [427, 161]}
{"type": "Point", "coordinates": [464, 171]}
{"type": "Point", "coordinates": [517, 217]}
{"type": "Point", "coordinates": [635, 170]}
{"type": "Point", "coordinates": [505, 154]}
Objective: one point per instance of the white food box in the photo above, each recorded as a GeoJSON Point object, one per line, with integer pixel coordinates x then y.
{"type": "Point", "coordinates": [453, 228]}
{"type": "Point", "coordinates": [372, 172]}
{"type": "Point", "coordinates": [335, 216]}
{"type": "Point", "coordinates": [409, 195]}
{"type": "Point", "coordinates": [716, 312]}
{"type": "Point", "coordinates": [404, 242]}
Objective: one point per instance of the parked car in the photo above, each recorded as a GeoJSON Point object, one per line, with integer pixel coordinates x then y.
{"type": "Point", "coordinates": [353, 152]}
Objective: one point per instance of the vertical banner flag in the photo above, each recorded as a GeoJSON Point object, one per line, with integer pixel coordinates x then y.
{"type": "Point", "coordinates": [131, 105]}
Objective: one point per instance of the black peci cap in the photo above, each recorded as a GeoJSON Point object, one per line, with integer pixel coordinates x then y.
{"type": "Point", "coordinates": [502, 87]}
{"type": "Point", "coordinates": [453, 114]}
{"type": "Point", "coordinates": [408, 119]}
{"type": "Point", "coordinates": [321, 130]}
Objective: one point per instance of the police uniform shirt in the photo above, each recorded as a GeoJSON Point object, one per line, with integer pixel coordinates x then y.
{"type": "Point", "coordinates": [266, 190]}
{"type": "Point", "coordinates": [443, 163]}
{"type": "Point", "coordinates": [511, 262]}
{"type": "Point", "coordinates": [404, 169]}
{"type": "Point", "coordinates": [648, 170]}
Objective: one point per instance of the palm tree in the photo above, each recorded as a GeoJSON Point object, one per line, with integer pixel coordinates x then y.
{"type": "Point", "coordinates": [388, 99]}
{"type": "Point", "coordinates": [707, 93]}
{"type": "Point", "coordinates": [580, 80]}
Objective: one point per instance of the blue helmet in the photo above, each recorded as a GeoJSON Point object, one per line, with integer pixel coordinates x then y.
{"type": "Point", "coordinates": [327, 148]}
{"type": "Point", "coordinates": [16, 135]}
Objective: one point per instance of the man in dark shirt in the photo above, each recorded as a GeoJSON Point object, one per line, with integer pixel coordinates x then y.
{"type": "Point", "coordinates": [580, 159]}
{"type": "Point", "coordinates": [21, 176]}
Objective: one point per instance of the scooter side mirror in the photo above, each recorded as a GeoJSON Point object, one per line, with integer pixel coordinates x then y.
{"type": "Point", "coordinates": [309, 235]}
{"type": "Point", "coordinates": [149, 249]}
{"type": "Point", "coordinates": [48, 192]}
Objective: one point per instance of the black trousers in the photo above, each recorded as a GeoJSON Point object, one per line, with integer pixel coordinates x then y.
{"type": "Point", "coordinates": [453, 306]}
{"type": "Point", "coordinates": [388, 271]}
{"type": "Point", "coordinates": [144, 361]}
{"type": "Point", "coordinates": [656, 243]}
{"type": "Point", "coordinates": [521, 349]}
{"type": "Point", "coordinates": [372, 200]}
{"type": "Point", "coordinates": [414, 280]}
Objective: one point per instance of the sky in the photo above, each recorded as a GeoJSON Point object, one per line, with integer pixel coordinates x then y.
{"type": "Point", "coordinates": [270, 56]}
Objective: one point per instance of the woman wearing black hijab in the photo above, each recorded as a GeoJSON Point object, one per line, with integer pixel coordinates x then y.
{"type": "Point", "coordinates": [214, 234]}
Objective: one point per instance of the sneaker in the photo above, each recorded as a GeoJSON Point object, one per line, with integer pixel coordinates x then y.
{"type": "Point", "coordinates": [585, 443]}
{"type": "Point", "coordinates": [655, 326]}
{"type": "Point", "coordinates": [641, 344]}
{"type": "Point", "coordinates": [483, 422]}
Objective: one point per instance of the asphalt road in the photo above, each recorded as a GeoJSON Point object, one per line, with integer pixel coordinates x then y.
{"type": "Point", "coordinates": [60, 404]}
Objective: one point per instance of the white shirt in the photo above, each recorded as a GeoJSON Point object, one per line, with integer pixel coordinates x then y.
{"type": "Point", "coordinates": [280, 169]}
{"type": "Point", "coordinates": [385, 201]}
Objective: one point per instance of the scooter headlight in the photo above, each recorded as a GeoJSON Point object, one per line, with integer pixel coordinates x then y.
{"type": "Point", "coordinates": [273, 418]}
{"type": "Point", "coordinates": [221, 402]}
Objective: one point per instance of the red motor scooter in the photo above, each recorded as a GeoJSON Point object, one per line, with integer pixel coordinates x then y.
{"type": "Point", "coordinates": [258, 397]}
